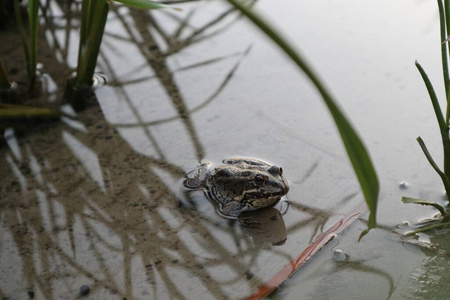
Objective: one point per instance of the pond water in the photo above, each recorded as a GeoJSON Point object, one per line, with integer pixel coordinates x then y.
{"type": "Point", "coordinates": [97, 199]}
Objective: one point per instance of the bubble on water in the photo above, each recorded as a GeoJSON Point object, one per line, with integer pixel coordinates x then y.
{"type": "Point", "coordinates": [99, 80]}
{"type": "Point", "coordinates": [404, 225]}
{"type": "Point", "coordinates": [339, 255]}
{"type": "Point", "coordinates": [403, 185]}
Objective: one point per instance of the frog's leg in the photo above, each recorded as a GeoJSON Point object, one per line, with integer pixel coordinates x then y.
{"type": "Point", "coordinates": [196, 177]}
{"type": "Point", "coordinates": [231, 209]}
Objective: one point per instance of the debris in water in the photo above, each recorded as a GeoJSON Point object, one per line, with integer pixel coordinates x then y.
{"type": "Point", "coordinates": [339, 255]}
{"type": "Point", "coordinates": [84, 290]}
{"type": "Point", "coordinates": [403, 185]}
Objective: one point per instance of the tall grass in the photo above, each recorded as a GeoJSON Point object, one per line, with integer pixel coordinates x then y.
{"type": "Point", "coordinates": [442, 114]}
{"type": "Point", "coordinates": [29, 44]}
{"type": "Point", "coordinates": [94, 14]}
{"type": "Point", "coordinates": [359, 157]}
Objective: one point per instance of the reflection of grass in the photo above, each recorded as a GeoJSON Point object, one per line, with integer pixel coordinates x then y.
{"type": "Point", "coordinates": [356, 151]}
{"type": "Point", "coordinates": [442, 118]}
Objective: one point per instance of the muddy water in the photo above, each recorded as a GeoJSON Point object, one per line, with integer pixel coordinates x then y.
{"type": "Point", "coordinates": [96, 203]}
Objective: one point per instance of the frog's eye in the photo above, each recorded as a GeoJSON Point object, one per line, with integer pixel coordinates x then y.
{"type": "Point", "coordinates": [274, 170]}
{"type": "Point", "coordinates": [259, 179]}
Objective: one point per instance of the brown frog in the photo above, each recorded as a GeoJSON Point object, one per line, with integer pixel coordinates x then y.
{"type": "Point", "coordinates": [240, 185]}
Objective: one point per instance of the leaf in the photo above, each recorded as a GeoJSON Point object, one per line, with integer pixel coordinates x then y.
{"type": "Point", "coordinates": [424, 202]}
{"type": "Point", "coordinates": [445, 179]}
{"type": "Point", "coordinates": [443, 123]}
{"type": "Point", "coordinates": [442, 224]}
{"type": "Point", "coordinates": [362, 164]}
{"type": "Point", "coordinates": [145, 4]}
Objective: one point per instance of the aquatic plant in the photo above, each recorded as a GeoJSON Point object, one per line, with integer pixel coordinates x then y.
{"type": "Point", "coordinates": [359, 157]}
{"type": "Point", "coordinates": [29, 44]}
{"type": "Point", "coordinates": [443, 119]}
{"type": "Point", "coordinates": [94, 14]}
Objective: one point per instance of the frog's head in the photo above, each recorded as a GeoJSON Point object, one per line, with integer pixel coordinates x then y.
{"type": "Point", "coordinates": [246, 184]}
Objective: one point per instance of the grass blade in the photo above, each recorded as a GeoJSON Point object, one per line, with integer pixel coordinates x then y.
{"type": "Point", "coordinates": [442, 224]}
{"type": "Point", "coordinates": [356, 151]}
{"type": "Point", "coordinates": [433, 97]}
{"type": "Point", "coordinates": [145, 4]}
{"type": "Point", "coordinates": [443, 124]}
{"type": "Point", "coordinates": [33, 9]}
{"type": "Point", "coordinates": [424, 202]}
{"type": "Point", "coordinates": [444, 46]}
{"type": "Point", "coordinates": [21, 31]}
{"type": "Point", "coordinates": [444, 178]}
{"type": "Point", "coordinates": [94, 40]}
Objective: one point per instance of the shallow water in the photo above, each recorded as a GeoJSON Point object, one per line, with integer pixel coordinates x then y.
{"type": "Point", "coordinates": [95, 199]}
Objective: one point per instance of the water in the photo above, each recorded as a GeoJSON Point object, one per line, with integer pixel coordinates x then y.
{"type": "Point", "coordinates": [93, 201]}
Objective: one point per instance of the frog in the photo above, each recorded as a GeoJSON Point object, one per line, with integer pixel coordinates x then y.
{"type": "Point", "coordinates": [239, 185]}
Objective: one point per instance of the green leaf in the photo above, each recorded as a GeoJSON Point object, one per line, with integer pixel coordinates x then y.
{"type": "Point", "coordinates": [145, 4]}
{"type": "Point", "coordinates": [443, 124]}
{"type": "Point", "coordinates": [444, 47]}
{"type": "Point", "coordinates": [21, 29]}
{"type": "Point", "coordinates": [433, 97]}
{"type": "Point", "coordinates": [445, 179]}
{"type": "Point", "coordinates": [424, 202]}
{"type": "Point", "coordinates": [356, 151]}
{"type": "Point", "coordinates": [33, 19]}
{"type": "Point", "coordinates": [442, 224]}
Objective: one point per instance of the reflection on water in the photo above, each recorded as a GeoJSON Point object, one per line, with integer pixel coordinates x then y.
{"type": "Point", "coordinates": [429, 280]}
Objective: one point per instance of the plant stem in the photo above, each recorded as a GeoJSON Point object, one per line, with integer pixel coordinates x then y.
{"type": "Point", "coordinates": [33, 8]}
{"type": "Point", "coordinates": [442, 19]}
{"type": "Point", "coordinates": [444, 177]}
{"type": "Point", "coordinates": [443, 124]}
{"type": "Point", "coordinates": [4, 80]}
{"type": "Point", "coordinates": [21, 31]}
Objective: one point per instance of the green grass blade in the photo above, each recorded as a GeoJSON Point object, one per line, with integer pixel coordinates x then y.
{"type": "Point", "coordinates": [443, 123]}
{"type": "Point", "coordinates": [447, 13]}
{"type": "Point", "coordinates": [21, 31]}
{"type": "Point", "coordinates": [433, 97]}
{"type": "Point", "coordinates": [356, 151]}
{"type": "Point", "coordinates": [94, 37]}
{"type": "Point", "coordinates": [443, 224]}
{"type": "Point", "coordinates": [444, 177]}
{"type": "Point", "coordinates": [424, 202]}
{"type": "Point", "coordinates": [145, 4]}
{"type": "Point", "coordinates": [444, 52]}
{"type": "Point", "coordinates": [83, 31]}
{"type": "Point", "coordinates": [33, 9]}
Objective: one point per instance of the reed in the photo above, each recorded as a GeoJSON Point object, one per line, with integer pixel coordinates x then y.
{"type": "Point", "coordinates": [29, 44]}
{"type": "Point", "coordinates": [442, 116]}
{"type": "Point", "coordinates": [94, 14]}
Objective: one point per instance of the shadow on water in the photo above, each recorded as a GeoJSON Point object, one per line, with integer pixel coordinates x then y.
{"type": "Point", "coordinates": [94, 201]}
